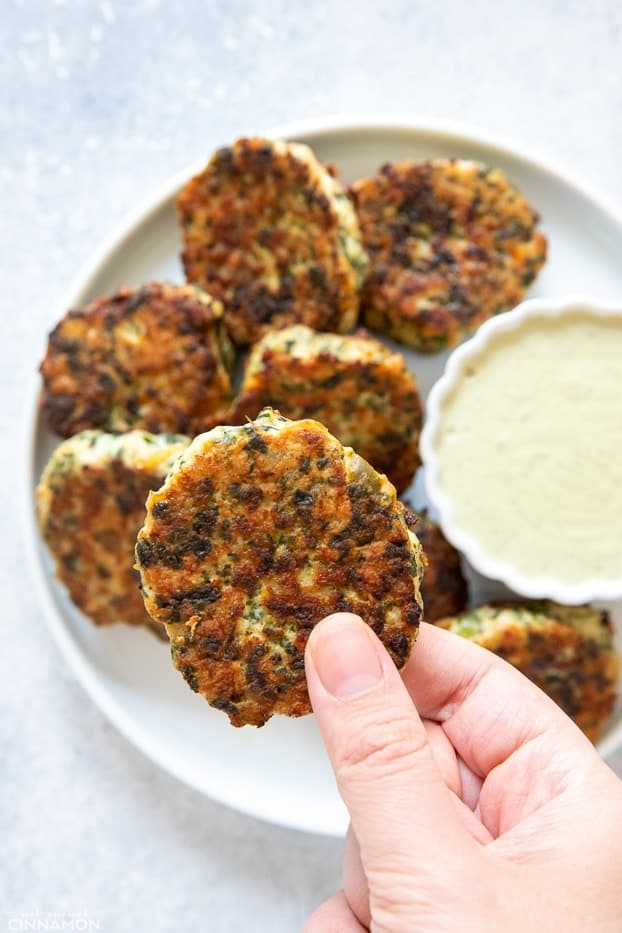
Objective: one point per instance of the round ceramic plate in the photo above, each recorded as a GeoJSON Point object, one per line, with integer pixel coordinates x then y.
{"type": "Point", "coordinates": [280, 773]}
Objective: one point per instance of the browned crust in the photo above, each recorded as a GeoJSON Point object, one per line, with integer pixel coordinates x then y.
{"type": "Point", "coordinates": [579, 674]}
{"type": "Point", "coordinates": [371, 405]}
{"type": "Point", "coordinates": [261, 234]}
{"type": "Point", "coordinates": [444, 588]}
{"type": "Point", "coordinates": [253, 542]}
{"type": "Point", "coordinates": [450, 244]}
{"type": "Point", "coordinates": [94, 516]}
{"type": "Point", "coordinates": [150, 358]}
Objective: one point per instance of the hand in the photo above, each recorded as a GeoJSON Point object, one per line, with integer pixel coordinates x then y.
{"type": "Point", "coordinates": [475, 803]}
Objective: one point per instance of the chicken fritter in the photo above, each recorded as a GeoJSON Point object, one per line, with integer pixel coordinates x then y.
{"type": "Point", "coordinates": [359, 389]}
{"type": "Point", "coordinates": [270, 231]}
{"type": "Point", "coordinates": [567, 651]}
{"type": "Point", "coordinates": [258, 533]}
{"type": "Point", "coordinates": [90, 507]}
{"type": "Point", "coordinates": [443, 588]}
{"type": "Point", "coordinates": [155, 358]}
{"type": "Point", "coordinates": [450, 242]}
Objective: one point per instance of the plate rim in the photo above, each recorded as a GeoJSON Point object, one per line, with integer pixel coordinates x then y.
{"type": "Point", "coordinates": [85, 672]}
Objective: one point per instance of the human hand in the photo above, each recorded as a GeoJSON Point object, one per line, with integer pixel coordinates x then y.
{"type": "Point", "coordinates": [475, 803]}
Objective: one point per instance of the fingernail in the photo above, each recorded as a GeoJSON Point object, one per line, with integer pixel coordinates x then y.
{"type": "Point", "coordinates": [345, 656]}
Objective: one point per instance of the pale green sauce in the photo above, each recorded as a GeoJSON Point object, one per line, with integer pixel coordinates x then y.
{"type": "Point", "coordinates": [530, 448]}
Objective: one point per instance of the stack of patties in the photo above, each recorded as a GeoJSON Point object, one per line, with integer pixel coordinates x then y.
{"type": "Point", "coordinates": [131, 373]}
{"type": "Point", "coordinates": [270, 519]}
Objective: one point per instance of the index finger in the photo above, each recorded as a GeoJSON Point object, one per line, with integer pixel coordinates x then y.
{"type": "Point", "coordinates": [487, 708]}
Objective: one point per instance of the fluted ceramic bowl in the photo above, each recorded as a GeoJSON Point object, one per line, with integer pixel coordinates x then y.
{"type": "Point", "coordinates": [486, 563]}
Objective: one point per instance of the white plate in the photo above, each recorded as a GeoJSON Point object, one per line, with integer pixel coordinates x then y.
{"type": "Point", "coordinates": [280, 773]}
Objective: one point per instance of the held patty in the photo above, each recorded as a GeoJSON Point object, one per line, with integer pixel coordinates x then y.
{"type": "Point", "coordinates": [257, 534]}
{"type": "Point", "coordinates": [359, 389]}
{"type": "Point", "coordinates": [156, 358]}
{"type": "Point", "coordinates": [450, 243]}
{"type": "Point", "coordinates": [566, 650]}
{"type": "Point", "coordinates": [272, 233]}
{"type": "Point", "coordinates": [90, 507]}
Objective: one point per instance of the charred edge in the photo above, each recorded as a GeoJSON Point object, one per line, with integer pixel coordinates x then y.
{"type": "Point", "coordinates": [198, 598]}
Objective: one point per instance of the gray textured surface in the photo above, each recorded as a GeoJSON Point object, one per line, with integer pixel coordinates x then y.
{"type": "Point", "coordinates": [103, 101]}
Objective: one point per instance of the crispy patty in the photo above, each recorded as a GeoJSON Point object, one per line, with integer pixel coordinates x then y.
{"type": "Point", "coordinates": [443, 588]}
{"type": "Point", "coordinates": [258, 533]}
{"type": "Point", "coordinates": [155, 358]}
{"type": "Point", "coordinates": [566, 650]}
{"type": "Point", "coordinates": [450, 242]}
{"type": "Point", "coordinates": [91, 505]}
{"type": "Point", "coordinates": [272, 233]}
{"type": "Point", "coordinates": [359, 389]}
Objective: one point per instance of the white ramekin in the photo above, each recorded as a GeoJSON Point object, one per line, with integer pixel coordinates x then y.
{"type": "Point", "coordinates": [484, 563]}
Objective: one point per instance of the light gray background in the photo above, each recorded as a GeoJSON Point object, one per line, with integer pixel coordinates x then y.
{"type": "Point", "coordinates": [102, 101]}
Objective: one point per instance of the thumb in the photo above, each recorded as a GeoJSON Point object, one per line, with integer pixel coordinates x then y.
{"type": "Point", "coordinates": [401, 810]}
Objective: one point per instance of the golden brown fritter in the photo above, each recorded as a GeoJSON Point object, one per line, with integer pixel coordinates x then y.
{"type": "Point", "coordinates": [155, 358]}
{"type": "Point", "coordinates": [258, 533]}
{"type": "Point", "coordinates": [91, 505]}
{"type": "Point", "coordinates": [450, 243]}
{"type": "Point", "coordinates": [359, 389]}
{"type": "Point", "coordinates": [566, 650]}
{"type": "Point", "coordinates": [272, 233]}
{"type": "Point", "coordinates": [443, 588]}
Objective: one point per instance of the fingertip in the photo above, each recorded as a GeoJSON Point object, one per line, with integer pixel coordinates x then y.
{"type": "Point", "coordinates": [345, 655]}
{"type": "Point", "coordinates": [330, 622]}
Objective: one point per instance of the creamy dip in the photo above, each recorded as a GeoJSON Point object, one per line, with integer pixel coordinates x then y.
{"type": "Point", "coordinates": [530, 448]}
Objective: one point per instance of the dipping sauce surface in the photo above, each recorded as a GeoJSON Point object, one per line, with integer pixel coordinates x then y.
{"type": "Point", "coordinates": [530, 448]}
